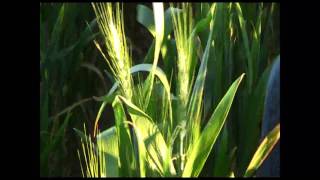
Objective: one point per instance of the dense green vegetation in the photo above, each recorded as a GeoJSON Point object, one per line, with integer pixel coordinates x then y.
{"type": "Point", "coordinates": [163, 89]}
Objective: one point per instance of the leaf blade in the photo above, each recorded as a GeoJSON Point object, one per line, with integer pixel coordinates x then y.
{"type": "Point", "coordinates": [158, 152]}
{"type": "Point", "coordinates": [263, 150]}
{"type": "Point", "coordinates": [200, 151]}
{"type": "Point", "coordinates": [126, 151]}
{"type": "Point", "coordinates": [108, 144]}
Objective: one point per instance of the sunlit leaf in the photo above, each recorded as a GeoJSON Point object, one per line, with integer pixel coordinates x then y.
{"type": "Point", "coordinates": [127, 159]}
{"type": "Point", "coordinates": [109, 145]}
{"type": "Point", "coordinates": [200, 151]}
{"type": "Point", "coordinates": [158, 153]}
{"type": "Point", "coordinates": [263, 150]}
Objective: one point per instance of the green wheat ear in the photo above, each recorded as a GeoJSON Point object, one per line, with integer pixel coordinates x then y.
{"type": "Point", "coordinates": [110, 21]}
{"type": "Point", "coordinates": [182, 27]}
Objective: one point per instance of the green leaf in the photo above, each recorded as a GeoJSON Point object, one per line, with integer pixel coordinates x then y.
{"type": "Point", "coordinates": [222, 163]}
{"type": "Point", "coordinates": [62, 129]}
{"type": "Point", "coordinates": [250, 126]}
{"type": "Point", "coordinates": [263, 150]}
{"type": "Point", "coordinates": [159, 30]}
{"type": "Point", "coordinates": [194, 106]}
{"type": "Point", "coordinates": [147, 14]}
{"type": "Point", "coordinates": [86, 36]}
{"type": "Point", "coordinates": [103, 105]}
{"type": "Point", "coordinates": [158, 154]}
{"type": "Point", "coordinates": [133, 109]}
{"type": "Point", "coordinates": [201, 26]}
{"type": "Point", "coordinates": [149, 57]}
{"type": "Point", "coordinates": [169, 51]}
{"type": "Point", "coordinates": [142, 152]}
{"type": "Point", "coordinates": [145, 17]}
{"type": "Point", "coordinates": [168, 27]}
{"type": "Point", "coordinates": [201, 10]}
{"type": "Point", "coordinates": [255, 46]}
{"type": "Point", "coordinates": [57, 29]}
{"type": "Point", "coordinates": [163, 79]}
{"type": "Point", "coordinates": [137, 68]}
{"type": "Point", "coordinates": [200, 151]}
{"type": "Point", "coordinates": [245, 40]}
{"type": "Point", "coordinates": [63, 52]}
{"type": "Point", "coordinates": [108, 143]}
{"type": "Point", "coordinates": [204, 23]}
{"type": "Point", "coordinates": [158, 72]}
{"type": "Point", "coordinates": [80, 134]}
{"type": "Point", "coordinates": [127, 159]}
{"type": "Point", "coordinates": [109, 97]}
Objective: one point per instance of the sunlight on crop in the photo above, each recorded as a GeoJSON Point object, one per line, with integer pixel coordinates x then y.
{"type": "Point", "coordinates": [175, 89]}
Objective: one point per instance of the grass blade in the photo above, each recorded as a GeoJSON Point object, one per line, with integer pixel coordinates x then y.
{"type": "Point", "coordinates": [222, 163]}
{"type": "Point", "coordinates": [246, 45]}
{"type": "Point", "coordinates": [200, 151]}
{"type": "Point", "coordinates": [251, 125]}
{"type": "Point", "coordinates": [55, 34]}
{"type": "Point", "coordinates": [263, 150]}
{"type": "Point", "coordinates": [127, 159]}
{"type": "Point", "coordinates": [159, 29]}
{"type": "Point", "coordinates": [142, 152]}
{"type": "Point", "coordinates": [194, 106]}
{"type": "Point", "coordinates": [158, 152]}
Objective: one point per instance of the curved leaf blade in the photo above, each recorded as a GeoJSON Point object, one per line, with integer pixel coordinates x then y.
{"type": "Point", "coordinates": [145, 17]}
{"type": "Point", "coordinates": [158, 154]}
{"type": "Point", "coordinates": [108, 98]}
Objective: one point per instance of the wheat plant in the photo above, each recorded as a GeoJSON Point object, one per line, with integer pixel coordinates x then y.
{"type": "Point", "coordinates": [159, 132]}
